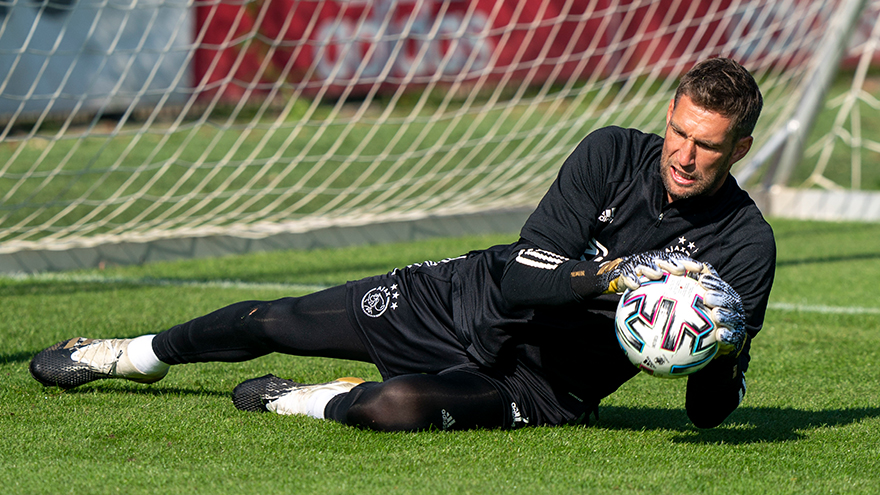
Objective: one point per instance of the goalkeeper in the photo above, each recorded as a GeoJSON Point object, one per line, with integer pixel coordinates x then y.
{"type": "Point", "coordinates": [519, 334]}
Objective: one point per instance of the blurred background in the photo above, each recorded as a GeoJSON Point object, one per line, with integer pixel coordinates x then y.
{"type": "Point", "coordinates": [135, 131]}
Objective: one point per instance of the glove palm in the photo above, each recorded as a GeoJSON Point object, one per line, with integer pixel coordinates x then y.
{"type": "Point", "coordinates": [726, 308]}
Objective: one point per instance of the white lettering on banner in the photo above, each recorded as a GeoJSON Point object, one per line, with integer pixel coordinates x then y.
{"type": "Point", "coordinates": [411, 46]}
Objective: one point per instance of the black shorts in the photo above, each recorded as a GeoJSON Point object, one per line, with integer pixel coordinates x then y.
{"type": "Point", "coordinates": [405, 319]}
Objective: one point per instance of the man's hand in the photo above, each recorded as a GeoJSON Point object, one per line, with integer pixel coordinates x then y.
{"type": "Point", "coordinates": [727, 312]}
{"type": "Point", "coordinates": [623, 273]}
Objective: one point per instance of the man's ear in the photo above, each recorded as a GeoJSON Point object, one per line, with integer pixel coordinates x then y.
{"type": "Point", "coordinates": [740, 149]}
{"type": "Point", "coordinates": [670, 110]}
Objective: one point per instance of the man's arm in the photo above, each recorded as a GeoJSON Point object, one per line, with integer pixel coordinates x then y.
{"type": "Point", "coordinates": [547, 266]}
{"type": "Point", "coordinates": [558, 232]}
{"type": "Point", "coordinates": [716, 390]}
{"type": "Point", "coordinates": [536, 277]}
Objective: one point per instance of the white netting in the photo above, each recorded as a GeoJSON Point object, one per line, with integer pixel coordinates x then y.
{"type": "Point", "coordinates": [134, 121]}
{"type": "Point", "coordinates": [845, 150]}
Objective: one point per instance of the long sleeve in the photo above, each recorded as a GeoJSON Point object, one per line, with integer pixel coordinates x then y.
{"type": "Point", "coordinates": [717, 390]}
{"type": "Point", "coordinates": [537, 277]}
{"type": "Point", "coordinates": [559, 232]}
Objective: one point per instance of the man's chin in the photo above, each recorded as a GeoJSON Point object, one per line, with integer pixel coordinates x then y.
{"type": "Point", "coordinates": [677, 191]}
{"type": "Point", "coordinates": [675, 196]}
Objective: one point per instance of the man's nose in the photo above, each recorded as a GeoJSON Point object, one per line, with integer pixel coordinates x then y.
{"type": "Point", "coordinates": [687, 153]}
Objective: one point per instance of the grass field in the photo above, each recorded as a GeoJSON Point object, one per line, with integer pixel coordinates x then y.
{"type": "Point", "coordinates": [810, 422]}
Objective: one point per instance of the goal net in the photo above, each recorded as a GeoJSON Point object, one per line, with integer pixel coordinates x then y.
{"type": "Point", "coordinates": [134, 122]}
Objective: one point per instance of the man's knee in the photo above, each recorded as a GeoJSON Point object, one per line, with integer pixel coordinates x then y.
{"type": "Point", "coordinates": [399, 404]}
{"type": "Point", "coordinates": [258, 319]}
{"type": "Point", "coordinates": [421, 402]}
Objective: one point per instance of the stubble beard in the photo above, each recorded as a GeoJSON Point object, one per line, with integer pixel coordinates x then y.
{"type": "Point", "coordinates": [700, 187]}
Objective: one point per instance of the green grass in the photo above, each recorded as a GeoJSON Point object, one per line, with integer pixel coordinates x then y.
{"type": "Point", "coordinates": [810, 422]}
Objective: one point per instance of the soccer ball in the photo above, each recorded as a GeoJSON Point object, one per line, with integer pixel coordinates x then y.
{"type": "Point", "coordinates": [664, 328]}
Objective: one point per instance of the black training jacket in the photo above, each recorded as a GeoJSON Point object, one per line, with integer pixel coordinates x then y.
{"type": "Point", "coordinates": [519, 301]}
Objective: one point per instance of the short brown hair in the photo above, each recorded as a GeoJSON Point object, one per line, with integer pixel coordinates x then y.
{"type": "Point", "coordinates": [724, 86]}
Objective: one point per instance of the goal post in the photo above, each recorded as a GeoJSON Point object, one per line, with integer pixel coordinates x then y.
{"type": "Point", "coordinates": [820, 165]}
{"type": "Point", "coordinates": [141, 130]}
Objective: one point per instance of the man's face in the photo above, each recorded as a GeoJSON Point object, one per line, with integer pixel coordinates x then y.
{"type": "Point", "coordinates": [698, 150]}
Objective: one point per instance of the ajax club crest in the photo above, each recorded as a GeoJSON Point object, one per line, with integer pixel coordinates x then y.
{"type": "Point", "coordinates": [376, 301]}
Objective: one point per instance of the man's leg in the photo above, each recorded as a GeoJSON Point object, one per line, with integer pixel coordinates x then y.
{"type": "Point", "coordinates": [452, 401]}
{"type": "Point", "coordinates": [313, 325]}
{"type": "Point", "coordinates": [455, 400]}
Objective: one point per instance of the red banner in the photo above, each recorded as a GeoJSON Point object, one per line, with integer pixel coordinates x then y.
{"type": "Point", "coordinates": [356, 46]}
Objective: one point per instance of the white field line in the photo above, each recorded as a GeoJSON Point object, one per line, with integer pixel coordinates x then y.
{"type": "Point", "coordinates": [810, 308]}
{"type": "Point", "coordinates": [237, 284]}
{"type": "Point", "coordinates": [214, 284]}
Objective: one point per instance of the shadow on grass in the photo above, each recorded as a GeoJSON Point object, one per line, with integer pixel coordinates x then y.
{"type": "Point", "coordinates": [745, 425]}
{"type": "Point", "coordinates": [155, 390]}
{"type": "Point", "coordinates": [119, 387]}
{"type": "Point", "coordinates": [17, 357]}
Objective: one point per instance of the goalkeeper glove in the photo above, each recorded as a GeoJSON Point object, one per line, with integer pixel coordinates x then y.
{"type": "Point", "coordinates": [623, 273]}
{"type": "Point", "coordinates": [726, 311]}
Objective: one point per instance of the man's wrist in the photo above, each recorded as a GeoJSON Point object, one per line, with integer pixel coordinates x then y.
{"type": "Point", "coordinates": [585, 282]}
